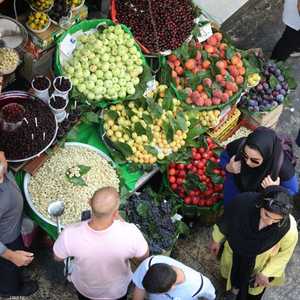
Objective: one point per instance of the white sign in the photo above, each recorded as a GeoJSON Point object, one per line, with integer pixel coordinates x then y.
{"type": "Point", "coordinates": [68, 45]}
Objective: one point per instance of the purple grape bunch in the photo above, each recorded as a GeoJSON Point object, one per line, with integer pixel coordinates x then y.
{"type": "Point", "coordinates": [154, 220]}
{"type": "Point", "coordinates": [269, 93]}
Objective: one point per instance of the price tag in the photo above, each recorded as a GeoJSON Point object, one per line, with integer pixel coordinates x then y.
{"type": "Point", "coordinates": [205, 32]}
{"type": "Point", "coordinates": [68, 45]}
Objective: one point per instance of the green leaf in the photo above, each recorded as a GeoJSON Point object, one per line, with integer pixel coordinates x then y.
{"type": "Point", "coordinates": [129, 112]}
{"type": "Point", "coordinates": [112, 114]}
{"type": "Point", "coordinates": [182, 228]}
{"type": "Point", "coordinates": [151, 150]}
{"type": "Point", "coordinates": [139, 128]}
{"type": "Point", "coordinates": [147, 118]}
{"type": "Point", "coordinates": [155, 110]}
{"type": "Point", "coordinates": [192, 182]}
{"type": "Point", "coordinates": [83, 169]}
{"type": "Point", "coordinates": [169, 131]}
{"type": "Point", "coordinates": [273, 81]}
{"type": "Point", "coordinates": [168, 101]}
{"type": "Point", "coordinates": [216, 179]}
{"type": "Point", "coordinates": [195, 131]}
{"type": "Point", "coordinates": [123, 148]}
{"type": "Point", "coordinates": [197, 78]}
{"type": "Point", "coordinates": [183, 52]}
{"type": "Point", "coordinates": [218, 151]}
{"type": "Point", "coordinates": [91, 117]}
{"type": "Point", "coordinates": [180, 120]}
{"type": "Point", "coordinates": [165, 72]}
{"type": "Point", "coordinates": [182, 95]}
{"type": "Point", "coordinates": [204, 55]}
{"type": "Point", "coordinates": [143, 209]}
{"type": "Point", "coordinates": [78, 181]}
{"type": "Point", "coordinates": [210, 166]}
{"type": "Point", "coordinates": [149, 134]}
{"type": "Point", "coordinates": [230, 52]}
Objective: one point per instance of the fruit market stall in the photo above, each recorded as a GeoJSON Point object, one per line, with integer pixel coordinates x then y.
{"type": "Point", "coordinates": [103, 117]}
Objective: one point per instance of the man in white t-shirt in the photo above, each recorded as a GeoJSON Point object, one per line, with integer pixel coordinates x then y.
{"type": "Point", "coordinates": [102, 248]}
{"type": "Point", "coordinates": [290, 40]}
{"type": "Point", "coordinates": [164, 278]}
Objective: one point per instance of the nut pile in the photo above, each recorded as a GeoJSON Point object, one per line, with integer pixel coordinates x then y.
{"type": "Point", "coordinates": [9, 60]}
{"type": "Point", "coordinates": [50, 183]}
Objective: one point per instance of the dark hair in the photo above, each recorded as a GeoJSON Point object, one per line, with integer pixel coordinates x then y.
{"type": "Point", "coordinates": [277, 200]}
{"type": "Point", "coordinates": [159, 278]}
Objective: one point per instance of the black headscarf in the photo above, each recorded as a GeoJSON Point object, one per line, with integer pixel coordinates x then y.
{"type": "Point", "coordinates": [240, 225]}
{"type": "Point", "coordinates": [275, 163]}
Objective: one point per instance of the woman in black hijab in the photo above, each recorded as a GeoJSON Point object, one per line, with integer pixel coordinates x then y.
{"type": "Point", "coordinates": [256, 162]}
{"type": "Point", "coordinates": [260, 239]}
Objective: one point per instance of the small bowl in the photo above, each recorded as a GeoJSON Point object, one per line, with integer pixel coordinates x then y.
{"type": "Point", "coordinates": [11, 126]}
{"type": "Point", "coordinates": [41, 30]}
{"type": "Point", "coordinates": [45, 10]}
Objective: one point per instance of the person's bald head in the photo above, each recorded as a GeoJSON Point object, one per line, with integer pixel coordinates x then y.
{"type": "Point", "coordinates": [105, 202]}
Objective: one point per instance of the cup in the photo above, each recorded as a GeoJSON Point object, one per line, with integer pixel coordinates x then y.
{"type": "Point", "coordinates": [60, 91]}
{"type": "Point", "coordinates": [43, 94]}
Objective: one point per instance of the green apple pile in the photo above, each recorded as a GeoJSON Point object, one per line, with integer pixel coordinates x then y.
{"type": "Point", "coordinates": [105, 65]}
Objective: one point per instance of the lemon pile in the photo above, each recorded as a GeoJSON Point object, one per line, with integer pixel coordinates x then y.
{"type": "Point", "coordinates": [41, 5]}
{"type": "Point", "coordinates": [209, 118]}
{"type": "Point", "coordinates": [122, 129]}
{"type": "Point", "coordinates": [38, 20]}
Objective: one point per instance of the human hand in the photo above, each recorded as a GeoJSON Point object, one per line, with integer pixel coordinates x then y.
{"type": "Point", "coordinates": [22, 258]}
{"type": "Point", "coordinates": [268, 181]}
{"type": "Point", "coordinates": [3, 159]}
{"type": "Point", "coordinates": [214, 248]}
{"type": "Point", "coordinates": [261, 280]}
{"type": "Point", "coordinates": [234, 166]}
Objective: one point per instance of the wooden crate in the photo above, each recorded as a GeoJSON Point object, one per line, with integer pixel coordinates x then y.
{"type": "Point", "coordinates": [267, 119]}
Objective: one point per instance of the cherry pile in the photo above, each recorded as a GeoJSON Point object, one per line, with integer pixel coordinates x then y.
{"type": "Point", "coordinates": [29, 139]}
{"type": "Point", "coordinates": [157, 25]}
{"type": "Point", "coordinates": [58, 102]}
{"type": "Point", "coordinates": [12, 113]}
{"type": "Point", "coordinates": [199, 182]}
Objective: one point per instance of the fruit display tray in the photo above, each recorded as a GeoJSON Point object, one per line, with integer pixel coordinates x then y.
{"type": "Point", "coordinates": [46, 39]}
{"type": "Point", "coordinates": [220, 132]}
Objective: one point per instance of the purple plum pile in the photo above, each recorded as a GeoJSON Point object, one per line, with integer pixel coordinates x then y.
{"type": "Point", "coordinates": [269, 93]}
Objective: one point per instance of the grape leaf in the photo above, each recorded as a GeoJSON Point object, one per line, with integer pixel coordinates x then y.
{"type": "Point", "coordinates": [169, 131]}
{"type": "Point", "coordinates": [139, 128]}
{"type": "Point", "coordinates": [123, 148]}
{"type": "Point", "coordinates": [143, 209]}
{"type": "Point", "coordinates": [180, 120]}
{"type": "Point", "coordinates": [147, 118]}
{"type": "Point", "coordinates": [78, 181]}
{"type": "Point", "coordinates": [168, 101]}
{"type": "Point", "coordinates": [149, 134]}
{"type": "Point", "coordinates": [151, 150]}
{"type": "Point", "coordinates": [273, 81]}
{"type": "Point", "coordinates": [195, 131]}
{"type": "Point", "coordinates": [112, 114]}
{"type": "Point", "coordinates": [155, 109]}
{"type": "Point", "coordinates": [83, 169]}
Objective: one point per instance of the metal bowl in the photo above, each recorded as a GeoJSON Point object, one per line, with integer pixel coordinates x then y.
{"type": "Point", "coordinates": [12, 28]}
{"type": "Point", "coordinates": [21, 97]}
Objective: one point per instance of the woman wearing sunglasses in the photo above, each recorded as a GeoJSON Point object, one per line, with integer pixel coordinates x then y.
{"type": "Point", "coordinates": [260, 236]}
{"type": "Point", "coordinates": [256, 162]}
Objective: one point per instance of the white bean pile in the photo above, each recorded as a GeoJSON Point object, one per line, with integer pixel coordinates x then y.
{"type": "Point", "coordinates": [51, 184]}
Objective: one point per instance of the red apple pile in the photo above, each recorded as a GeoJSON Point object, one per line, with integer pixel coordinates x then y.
{"type": "Point", "coordinates": [200, 181]}
{"type": "Point", "coordinates": [223, 65]}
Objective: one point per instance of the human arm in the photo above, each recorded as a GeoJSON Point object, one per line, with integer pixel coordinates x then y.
{"type": "Point", "coordinates": [277, 263]}
{"type": "Point", "coordinates": [217, 238]}
{"type": "Point", "coordinates": [18, 257]}
{"type": "Point", "coordinates": [60, 250]}
{"type": "Point", "coordinates": [208, 291]}
{"type": "Point", "coordinates": [291, 185]}
{"type": "Point", "coordinates": [140, 249]}
{"type": "Point", "coordinates": [138, 294]}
